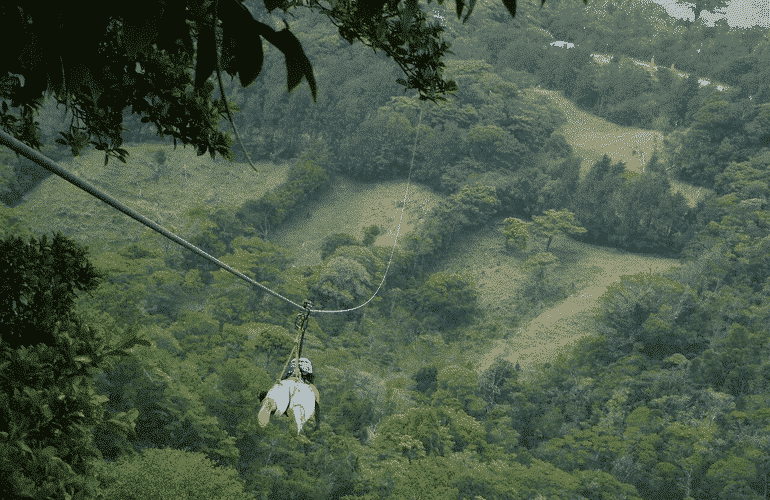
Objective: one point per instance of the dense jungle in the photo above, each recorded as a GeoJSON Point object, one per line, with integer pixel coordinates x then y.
{"type": "Point", "coordinates": [577, 305]}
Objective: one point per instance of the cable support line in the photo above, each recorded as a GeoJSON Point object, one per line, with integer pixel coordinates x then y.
{"type": "Point", "coordinates": [54, 168]}
{"type": "Point", "coordinates": [403, 206]}
{"type": "Point", "coordinates": [222, 91]}
{"type": "Point", "coordinates": [300, 323]}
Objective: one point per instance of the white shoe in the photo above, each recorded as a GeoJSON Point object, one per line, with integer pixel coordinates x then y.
{"type": "Point", "coordinates": [265, 412]}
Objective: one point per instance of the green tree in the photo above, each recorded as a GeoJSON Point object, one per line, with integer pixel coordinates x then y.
{"type": "Point", "coordinates": [528, 191]}
{"type": "Point", "coordinates": [370, 234]}
{"type": "Point", "coordinates": [653, 315]}
{"type": "Point", "coordinates": [730, 477]}
{"type": "Point", "coordinates": [590, 203]}
{"type": "Point", "coordinates": [48, 357]}
{"type": "Point", "coordinates": [334, 241]}
{"type": "Point", "coordinates": [339, 283]}
{"type": "Point", "coordinates": [748, 179]}
{"type": "Point", "coordinates": [162, 385]}
{"type": "Point", "coordinates": [272, 342]}
{"type": "Point", "coordinates": [537, 266]}
{"type": "Point", "coordinates": [647, 216]}
{"type": "Point", "coordinates": [426, 378]}
{"type": "Point", "coordinates": [181, 106]}
{"type": "Point", "coordinates": [457, 387]}
{"type": "Point", "coordinates": [41, 279]}
{"type": "Point", "coordinates": [166, 474]}
{"type": "Point", "coordinates": [446, 301]}
{"type": "Point", "coordinates": [555, 222]}
{"type": "Point", "coordinates": [472, 206]}
{"type": "Point", "coordinates": [567, 176]}
{"type": "Point", "coordinates": [516, 230]}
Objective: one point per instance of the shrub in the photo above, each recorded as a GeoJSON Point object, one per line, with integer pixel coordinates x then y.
{"type": "Point", "coordinates": [332, 242]}
{"type": "Point", "coordinates": [170, 474]}
{"type": "Point", "coordinates": [49, 356]}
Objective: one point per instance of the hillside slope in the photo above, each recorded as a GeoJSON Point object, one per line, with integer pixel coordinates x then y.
{"type": "Point", "coordinates": [591, 137]}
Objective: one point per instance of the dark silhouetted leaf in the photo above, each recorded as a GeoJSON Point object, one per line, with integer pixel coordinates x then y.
{"type": "Point", "coordinates": [511, 6]}
{"type": "Point", "coordinates": [471, 4]}
{"type": "Point", "coordinates": [248, 54]}
{"type": "Point", "coordinates": [174, 28]}
{"type": "Point", "coordinates": [271, 5]}
{"type": "Point", "coordinates": [242, 43]}
{"type": "Point", "coordinates": [206, 63]}
{"type": "Point", "coordinates": [371, 8]}
{"type": "Point", "coordinates": [297, 63]}
{"type": "Point", "coordinates": [459, 6]}
{"type": "Point", "coordinates": [139, 32]}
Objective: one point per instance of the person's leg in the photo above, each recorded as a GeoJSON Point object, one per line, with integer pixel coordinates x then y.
{"type": "Point", "coordinates": [276, 400]}
{"type": "Point", "coordinates": [303, 404]}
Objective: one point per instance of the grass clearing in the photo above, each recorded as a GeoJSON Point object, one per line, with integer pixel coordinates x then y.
{"type": "Point", "coordinates": [163, 194]}
{"type": "Point", "coordinates": [348, 206]}
{"type": "Point", "coordinates": [691, 193]}
{"type": "Point", "coordinates": [591, 136]}
{"type": "Point", "coordinates": [585, 268]}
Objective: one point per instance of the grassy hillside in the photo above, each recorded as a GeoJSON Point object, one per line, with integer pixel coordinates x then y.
{"type": "Point", "coordinates": [591, 137]}
{"type": "Point", "coordinates": [585, 269]}
{"type": "Point", "coordinates": [163, 193]}
{"type": "Point", "coordinates": [349, 206]}
{"type": "Point", "coordinates": [165, 184]}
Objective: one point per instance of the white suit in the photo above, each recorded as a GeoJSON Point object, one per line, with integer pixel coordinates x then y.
{"type": "Point", "coordinates": [290, 393]}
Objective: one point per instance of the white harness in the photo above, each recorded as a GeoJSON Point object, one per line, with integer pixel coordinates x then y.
{"type": "Point", "coordinates": [298, 396]}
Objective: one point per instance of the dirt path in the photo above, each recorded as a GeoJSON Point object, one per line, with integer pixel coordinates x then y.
{"type": "Point", "coordinates": [561, 325]}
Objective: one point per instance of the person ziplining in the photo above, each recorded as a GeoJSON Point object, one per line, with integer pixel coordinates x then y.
{"type": "Point", "coordinates": [296, 392]}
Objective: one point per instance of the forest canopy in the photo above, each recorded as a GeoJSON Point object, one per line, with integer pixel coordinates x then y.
{"type": "Point", "coordinates": [155, 58]}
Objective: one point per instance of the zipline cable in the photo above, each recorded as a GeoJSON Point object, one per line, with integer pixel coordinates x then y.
{"type": "Point", "coordinates": [45, 162]}
{"type": "Point", "coordinates": [24, 150]}
{"type": "Point", "coordinates": [222, 90]}
{"type": "Point", "coordinates": [403, 206]}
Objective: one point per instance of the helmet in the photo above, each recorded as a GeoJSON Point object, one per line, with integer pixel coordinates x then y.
{"type": "Point", "coordinates": [305, 367]}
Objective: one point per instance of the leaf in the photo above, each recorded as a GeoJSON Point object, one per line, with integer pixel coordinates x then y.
{"type": "Point", "coordinates": [134, 341]}
{"type": "Point", "coordinates": [23, 446]}
{"type": "Point", "coordinates": [297, 63]}
{"type": "Point", "coordinates": [46, 410]}
{"type": "Point", "coordinates": [271, 5]}
{"type": "Point", "coordinates": [371, 8]}
{"type": "Point", "coordinates": [174, 28]}
{"type": "Point", "coordinates": [471, 4]}
{"type": "Point", "coordinates": [206, 62]}
{"type": "Point", "coordinates": [98, 399]}
{"type": "Point", "coordinates": [511, 6]}
{"type": "Point", "coordinates": [82, 359]}
{"type": "Point", "coordinates": [242, 45]}
{"type": "Point", "coordinates": [459, 6]}
{"type": "Point", "coordinates": [249, 56]}
{"type": "Point", "coordinates": [139, 32]}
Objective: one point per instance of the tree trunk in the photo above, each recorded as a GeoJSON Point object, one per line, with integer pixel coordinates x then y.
{"type": "Point", "coordinates": [548, 245]}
